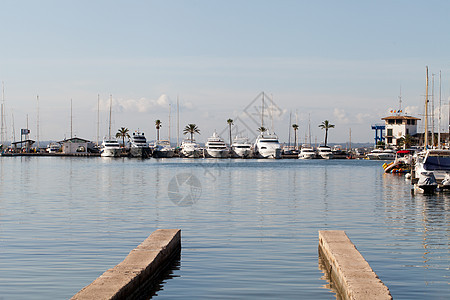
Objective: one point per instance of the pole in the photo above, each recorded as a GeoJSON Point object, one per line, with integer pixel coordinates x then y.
{"type": "Point", "coordinates": [98, 118]}
{"type": "Point", "coordinates": [426, 112]}
{"type": "Point", "coordinates": [178, 121]}
{"type": "Point", "coordinates": [432, 110]}
{"type": "Point", "coordinates": [37, 125]}
{"type": "Point", "coordinates": [439, 119]}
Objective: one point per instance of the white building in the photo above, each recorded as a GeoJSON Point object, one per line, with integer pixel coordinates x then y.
{"type": "Point", "coordinates": [398, 127]}
{"type": "Point", "coordinates": [76, 145]}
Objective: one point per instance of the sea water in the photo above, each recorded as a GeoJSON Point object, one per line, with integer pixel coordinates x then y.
{"type": "Point", "coordinates": [249, 227]}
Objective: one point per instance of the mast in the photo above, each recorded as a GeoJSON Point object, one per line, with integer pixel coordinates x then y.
{"type": "Point", "coordinates": [170, 109]}
{"type": "Point", "coordinates": [432, 110]}
{"type": "Point", "coordinates": [37, 124]}
{"type": "Point", "coordinates": [110, 109]}
{"type": "Point", "coordinates": [439, 119]}
{"type": "Point", "coordinates": [262, 111]}
{"type": "Point", "coordinates": [271, 113]}
{"type": "Point", "coordinates": [71, 120]}
{"type": "Point", "coordinates": [3, 118]}
{"type": "Point", "coordinates": [426, 112]}
{"type": "Point", "coordinates": [178, 121]}
{"type": "Point", "coordinates": [290, 124]}
{"type": "Point", "coordinates": [350, 139]}
{"type": "Point", "coordinates": [98, 117]}
{"type": "Point", "coordinates": [309, 129]}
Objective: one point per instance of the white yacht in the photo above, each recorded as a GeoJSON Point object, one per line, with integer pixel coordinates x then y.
{"type": "Point", "coordinates": [215, 147]}
{"type": "Point", "coordinates": [110, 148]}
{"type": "Point", "coordinates": [431, 167]}
{"type": "Point", "coordinates": [162, 149]}
{"type": "Point", "coordinates": [189, 148]}
{"type": "Point", "coordinates": [267, 146]}
{"type": "Point", "coordinates": [324, 152]}
{"type": "Point", "coordinates": [241, 147]}
{"type": "Point", "coordinates": [139, 146]}
{"type": "Point", "coordinates": [307, 152]}
{"type": "Point", "coordinates": [380, 154]}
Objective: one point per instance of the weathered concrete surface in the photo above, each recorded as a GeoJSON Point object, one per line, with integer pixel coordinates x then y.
{"type": "Point", "coordinates": [348, 269]}
{"type": "Point", "coordinates": [144, 263]}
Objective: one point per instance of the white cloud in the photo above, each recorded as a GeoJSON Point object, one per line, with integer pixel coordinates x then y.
{"type": "Point", "coordinates": [142, 105]}
{"type": "Point", "coordinates": [341, 116]}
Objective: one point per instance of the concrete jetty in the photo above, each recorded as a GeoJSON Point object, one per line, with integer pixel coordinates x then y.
{"type": "Point", "coordinates": [347, 268]}
{"type": "Point", "coordinates": [142, 265]}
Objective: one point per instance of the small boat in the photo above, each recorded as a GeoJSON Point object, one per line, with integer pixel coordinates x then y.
{"type": "Point", "coordinates": [324, 152]}
{"type": "Point", "coordinates": [241, 148]}
{"type": "Point", "coordinates": [401, 164]}
{"type": "Point", "coordinates": [381, 154]}
{"type": "Point", "coordinates": [53, 147]}
{"type": "Point", "coordinates": [110, 148]}
{"type": "Point", "coordinates": [432, 170]}
{"type": "Point", "coordinates": [267, 146]}
{"type": "Point", "coordinates": [162, 149]}
{"type": "Point", "coordinates": [139, 146]}
{"type": "Point", "coordinates": [190, 149]}
{"type": "Point", "coordinates": [307, 152]}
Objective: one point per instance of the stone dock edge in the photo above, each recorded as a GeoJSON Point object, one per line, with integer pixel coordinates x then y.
{"type": "Point", "coordinates": [143, 264]}
{"type": "Point", "coordinates": [349, 272]}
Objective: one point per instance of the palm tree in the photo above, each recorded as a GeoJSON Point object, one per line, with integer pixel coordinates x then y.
{"type": "Point", "coordinates": [295, 126]}
{"type": "Point", "coordinates": [123, 133]}
{"type": "Point", "coordinates": [191, 128]}
{"type": "Point", "coordinates": [158, 126]}
{"type": "Point", "coordinates": [262, 129]}
{"type": "Point", "coordinates": [230, 122]}
{"type": "Point", "coordinates": [326, 125]}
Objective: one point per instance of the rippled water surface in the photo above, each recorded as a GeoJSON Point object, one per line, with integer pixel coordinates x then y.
{"type": "Point", "coordinates": [249, 227]}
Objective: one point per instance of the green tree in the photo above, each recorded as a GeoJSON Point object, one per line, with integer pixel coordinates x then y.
{"type": "Point", "coordinates": [262, 129]}
{"type": "Point", "coordinates": [230, 123]}
{"type": "Point", "coordinates": [326, 125]}
{"type": "Point", "coordinates": [191, 129]}
{"type": "Point", "coordinates": [158, 126]}
{"type": "Point", "coordinates": [295, 126]}
{"type": "Point", "coordinates": [123, 133]}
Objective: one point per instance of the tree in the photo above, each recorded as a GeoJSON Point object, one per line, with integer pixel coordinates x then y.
{"type": "Point", "coordinates": [192, 129]}
{"type": "Point", "coordinates": [230, 122]}
{"type": "Point", "coordinates": [123, 133]}
{"type": "Point", "coordinates": [262, 129]}
{"type": "Point", "coordinates": [158, 126]}
{"type": "Point", "coordinates": [326, 125]}
{"type": "Point", "coordinates": [405, 141]}
{"type": "Point", "coordinates": [295, 126]}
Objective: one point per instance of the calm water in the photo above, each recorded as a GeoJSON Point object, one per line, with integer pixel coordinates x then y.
{"type": "Point", "coordinates": [249, 227]}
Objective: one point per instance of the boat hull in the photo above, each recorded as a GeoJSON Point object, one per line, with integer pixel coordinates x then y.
{"type": "Point", "coordinates": [214, 153]}
{"type": "Point", "coordinates": [140, 152]}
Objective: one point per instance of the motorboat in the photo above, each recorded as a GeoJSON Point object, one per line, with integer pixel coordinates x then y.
{"type": "Point", "coordinates": [139, 146]}
{"type": "Point", "coordinates": [432, 170]}
{"type": "Point", "coordinates": [381, 154]}
{"type": "Point", "coordinates": [324, 152]}
{"type": "Point", "coordinates": [307, 152]}
{"type": "Point", "coordinates": [190, 149]}
{"type": "Point", "coordinates": [163, 149]}
{"type": "Point", "coordinates": [267, 146]}
{"type": "Point", "coordinates": [53, 147]}
{"type": "Point", "coordinates": [401, 164]}
{"type": "Point", "coordinates": [215, 147]}
{"type": "Point", "coordinates": [241, 148]}
{"type": "Point", "coordinates": [110, 148]}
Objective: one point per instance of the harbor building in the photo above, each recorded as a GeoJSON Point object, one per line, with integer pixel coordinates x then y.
{"type": "Point", "coordinates": [397, 127]}
{"type": "Point", "coordinates": [76, 145]}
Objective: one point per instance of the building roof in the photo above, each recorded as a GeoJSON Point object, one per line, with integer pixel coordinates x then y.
{"type": "Point", "coordinates": [75, 140]}
{"type": "Point", "coordinates": [400, 118]}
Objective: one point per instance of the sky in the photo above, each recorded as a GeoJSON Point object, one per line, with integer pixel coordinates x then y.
{"type": "Point", "coordinates": [343, 61]}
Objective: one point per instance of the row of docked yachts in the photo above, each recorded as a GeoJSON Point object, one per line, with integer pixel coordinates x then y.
{"type": "Point", "coordinates": [266, 146]}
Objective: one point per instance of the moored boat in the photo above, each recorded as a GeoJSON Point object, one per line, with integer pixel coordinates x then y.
{"type": "Point", "coordinates": [241, 148]}
{"type": "Point", "coordinates": [110, 148]}
{"type": "Point", "coordinates": [267, 146]}
{"type": "Point", "coordinates": [163, 149]}
{"type": "Point", "coordinates": [215, 147]}
{"type": "Point", "coordinates": [324, 152]}
{"type": "Point", "coordinates": [307, 152]}
{"type": "Point", "coordinates": [139, 146]}
{"type": "Point", "coordinates": [190, 149]}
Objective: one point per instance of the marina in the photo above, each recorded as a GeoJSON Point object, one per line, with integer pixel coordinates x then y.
{"type": "Point", "coordinates": [71, 219]}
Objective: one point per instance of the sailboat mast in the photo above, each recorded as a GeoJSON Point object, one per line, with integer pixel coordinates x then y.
{"type": "Point", "coordinates": [3, 121]}
{"type": "Point", "coordinates": [110, 109]}
{"type": "Point", "coordinates": [271, 113]}
{"type": "Point", "coordinates": [178, 121]}
{"type": "Point", "coordinates": [432, 110]}
{"type": "Point", "coordinates": [290, 125]}
{"type": "Point", "coordinates": [262, 111]}
{"type": "Point", "coordinates": [71, 120]}
{"type": "Point", "coordinates": [439, 119]}
{"type": "Point", "coordinates": [426, 112]}
{"type": "Point", "coordinates": [37, 124]}
{"type": "Point", "coordinates": [98, 118]}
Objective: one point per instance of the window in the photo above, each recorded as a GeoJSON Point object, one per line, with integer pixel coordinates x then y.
{"type": "Point", "coordinates": [389, 132]}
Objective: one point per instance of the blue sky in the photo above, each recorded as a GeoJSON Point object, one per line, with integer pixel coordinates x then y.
{"type": "Point", "coordinates": [342, 61]}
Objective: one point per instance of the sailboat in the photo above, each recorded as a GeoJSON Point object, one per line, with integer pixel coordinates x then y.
{"type": "Point", "coordinates": [432, 166]}
{"type": "Point", "coordinates": [110, 147]}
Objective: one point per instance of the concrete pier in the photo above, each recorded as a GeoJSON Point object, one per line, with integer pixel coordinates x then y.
{"type": "Point", "coordinates": [347, 268]}
{"type": "Point", "coordinates": [143, 264]}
